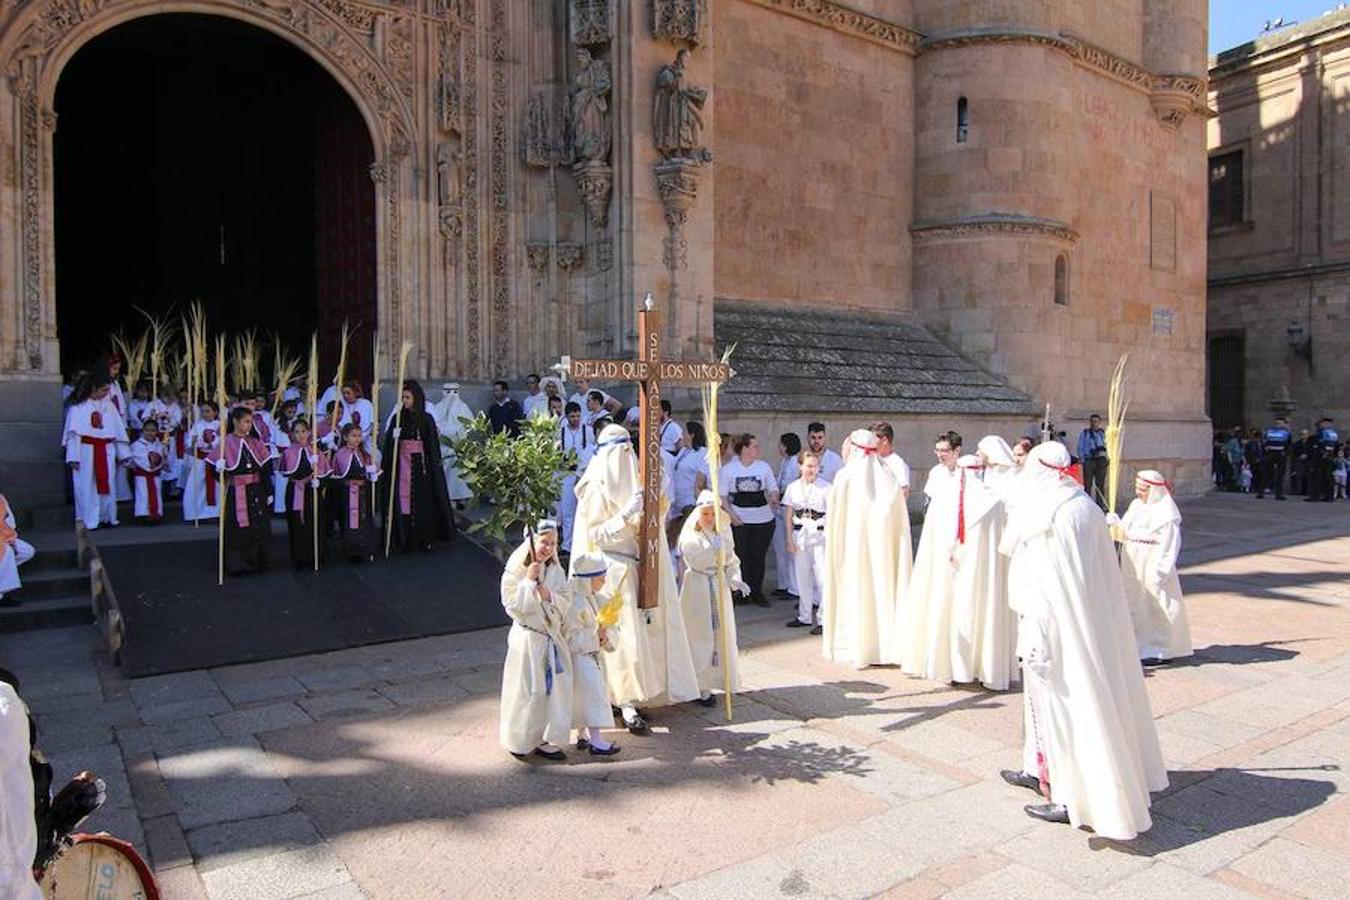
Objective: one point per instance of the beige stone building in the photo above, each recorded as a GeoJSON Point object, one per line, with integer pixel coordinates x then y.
{"type": "Point", "coordinates": [943, 213]}
{"type": "Point", "coordinates": [1279, 226]}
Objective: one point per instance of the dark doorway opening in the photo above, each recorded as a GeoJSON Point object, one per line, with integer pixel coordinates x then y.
{"type": "Point", "coordinates": [201, 157]}
{"type": "Point", "coordinates": [1227, 365]}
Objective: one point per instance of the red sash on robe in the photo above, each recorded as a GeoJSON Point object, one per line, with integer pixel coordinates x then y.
{"type": "Point", "coordinates": [100, 459]}
{"type": "Point", "coordinates": [151, 488]}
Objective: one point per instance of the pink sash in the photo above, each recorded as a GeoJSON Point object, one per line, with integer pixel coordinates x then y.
{"type": "Point", "coordinates": [241, 483]}
{"type": "Point", "coordinates": [406, 451]}
{"type": "Point", "coordinates": [353, 504]}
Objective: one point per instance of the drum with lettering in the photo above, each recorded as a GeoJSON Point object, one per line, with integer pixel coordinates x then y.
{"type": "Point", "coordinates": [98, 867]}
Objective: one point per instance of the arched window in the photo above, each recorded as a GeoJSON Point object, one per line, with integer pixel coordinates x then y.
{"type": "Point", "coordinates": [1062, 280]}
{"type": "Point", "coordinates": [962, 120]}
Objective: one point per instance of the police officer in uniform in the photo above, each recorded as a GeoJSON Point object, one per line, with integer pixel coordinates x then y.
{"type": "Point", "coordinates": [1275, 444]}
{"type": "Point", "coordinates": [1321, 461]}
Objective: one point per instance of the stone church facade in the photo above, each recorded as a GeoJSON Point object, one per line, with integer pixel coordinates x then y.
{"type": "Point", "coordinates": [964, 210]}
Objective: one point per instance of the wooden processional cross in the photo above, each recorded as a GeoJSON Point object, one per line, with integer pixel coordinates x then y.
{"type": "Point", "coordinates": [650, 371]}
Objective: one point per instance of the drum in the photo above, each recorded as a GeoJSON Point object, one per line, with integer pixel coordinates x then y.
{"type": "Point", "coordinates": [98, 867]}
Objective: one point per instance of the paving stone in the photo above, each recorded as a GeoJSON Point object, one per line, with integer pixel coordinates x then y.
{"type": "Point", "coordinates": [1327, 827]}
{"type": "Point", "coordinates": [164, 838]}
{"type": "Point", "coordinates": [148, 790]}
{"type": "Point", "coordinates": [337, 679]}
{"type": "Point", "coordinates": [1202, 831]}
{"type": "Point", "coordinates": [1296, 869]}
{"type": "Point", "coordinates": [231, 843]}
{"type": "Point", "coordinates": [181, 883]}
{"type": "Point", "coordinates": [242, 692]}
{"type": "Point", "coordinates": [258, 719]}
{"type": "Point", "coordinates": [349, 891]}
{"type": "Point", "coordinates": [168, 713]}
{"type": "Point", "coordinates": [480, 680]}
{"type": "Point", "coordinates": [1163, 880]}
{"type": "Point", "coordinates": [427, 691]}
{"type": "Point", "coordinates": [1088, 866]}
{"type": "Point", "coordinates": [176, 734]}
{"type": "Point", "coordinates": [279, 876]}
{"type": "Point", "coordinates": [1016, 882]}
{"type": "Point", "coordinates": [161, 689]}
{"type": "Point", "coordinates": [1210, 729]}
{"type": "Point", "coordinates": [226, 781]}
{"type": "Point", "coordinates": [345, 703]}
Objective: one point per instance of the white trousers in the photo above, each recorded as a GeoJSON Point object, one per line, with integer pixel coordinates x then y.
{"type": "Point", "coordinates": [11, 558]}
{"type": "Point", "coordinates": [567, 509]}
{"type": "Point", "coordinates": [91, 508]}
{"type": "Point", "coordinates": [808, 563]}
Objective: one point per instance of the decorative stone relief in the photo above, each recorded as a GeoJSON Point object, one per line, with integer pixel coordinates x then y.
{"type": "Point", "coordinates": [849, 21]}
{"type": "Point", "coordinates": [447, 79]}
{"type": "Point", "coordinates": [569, 255]}
{"type": "Point", "coordinates": [540, 144]}
{"type": "Point", "coordinates": [677, 182]}
{"type": "Point", "coordinates": [1011, 224]}
{"type": "Point", "coordinates": [590, 22]}
{"type": "Point", "coordinates": [448, 162]}
{"type": "Point", "coordinates": [595, 182]}
{"type": "Point", "coordinates": [677, 114]}
{"type": "Point", "coordinates": [536, 252]}
{"type": "Point", "coordinates": [498, 173]}
{"type": "Point", "coordinates": [604, 255]}
{"type": "Point", "coordinates": [678, 21]}
{"type": "Point", "coordinates": [473, 274]}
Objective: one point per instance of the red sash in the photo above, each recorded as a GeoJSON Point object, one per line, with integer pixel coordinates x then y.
{"type": "Point", "coordinates": [961, 511]}
{"type": "Point", "coordinates": [241, 483]}
{"type": "Point", "coordinates": [151, 489]}
{"type": "Point", "coordinates": [100, 461]}
{"type": "Point", "coordinates": [178, 443]}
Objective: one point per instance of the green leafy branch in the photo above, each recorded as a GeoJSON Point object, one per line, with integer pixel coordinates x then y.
{"type": "Point", "coordinates": [522, 475]}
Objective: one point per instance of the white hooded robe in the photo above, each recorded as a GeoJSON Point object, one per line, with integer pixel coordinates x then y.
{"type": "Point", "coordinates": [868, 560]}
{"type": "Point", "coordinates": [536, 704]}
{"type": "Point", "coordinates": [1089, 710]}
{"type": "Point", "coordinates": [447, 414]}
{"type": "Point", "coordinates": [1148, 563]}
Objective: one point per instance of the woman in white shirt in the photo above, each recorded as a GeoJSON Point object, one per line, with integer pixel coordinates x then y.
{"type": "Point", "coordinates": [749, 486]}
{"type": "Point", "coordinates": [689, 471]}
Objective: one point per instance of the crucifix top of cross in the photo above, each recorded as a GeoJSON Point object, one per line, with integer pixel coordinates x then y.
{"type": "Point", "coordinates": [650, 370]}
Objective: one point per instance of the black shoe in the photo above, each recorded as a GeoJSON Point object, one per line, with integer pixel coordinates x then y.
{"type": "Point", "coordinates": [551, 755]}
{"type": "Point", "coordinates": [1049, 812]}
{"type": "Point", "coordinates": [1153, 662]}
{"type": "Point", "coordinates": [608, 751]}
{"type": "Point", "coordinates": [709, 700]}
{"type": "Point", "coordinates": [794, 598]}
{"type": "Point", "coordinates": [781, 592]}
{"type": "Point", "coordinates": [583, 744]}
{"type": "Point", "coordinates": [798, 623]}
{"type": "Point", "coordinates": [818, 630]}
{"type": "Point", "coordinates": [521, 756]}
{"type": "Point", "coordinates": [637, 725]}
{"type": "Point", "coordinates": [760, 601]}
{"type": "Point", "coordinates": [1021, 779]}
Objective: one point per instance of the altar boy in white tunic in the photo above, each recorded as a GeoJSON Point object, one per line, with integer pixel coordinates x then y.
{"type": "Point", "coordinates": [536, 708]}
{"type": "Point", "coordinates": [586, 638]}
{"type": "Point", "coordinates": [199, 494]}
{"type": "Point", "coordinates": [95, 438]}
{"type": "Point", "coordinates": [804, 504]}
{"type": "Point", "coordinates": [1148, 562]}
{"type": "Point", "coordinates": [147, 459]}
{"type": "Point", "coordinates": [705, 598]}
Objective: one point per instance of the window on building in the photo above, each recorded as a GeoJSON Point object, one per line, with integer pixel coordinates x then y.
{"type": "Point", "coordinates": [1062, 280]}
{"type": "Point", "coordinates": [962, 120]}
{"type": "Point", "coordinates": [1226, 194]}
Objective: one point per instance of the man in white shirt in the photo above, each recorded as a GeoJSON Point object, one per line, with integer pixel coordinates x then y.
{"type": "Point", "coordinates": [671, 432]}
{"type": "Point", "coordinates": [576, 436]}
{"type": "Point", "coordinates": [536, 401]}
{"type": "Point", "coordinates": [889, 458]}
{"type": "Point", "coordinates": [830, 461]}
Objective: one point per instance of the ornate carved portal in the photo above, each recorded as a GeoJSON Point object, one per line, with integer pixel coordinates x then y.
{"type": "Point", "coordinates": [371, 52]}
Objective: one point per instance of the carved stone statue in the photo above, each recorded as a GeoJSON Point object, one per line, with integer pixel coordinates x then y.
{"type": "Point", "coordinates": [590, 108]}
{"type": "Point", "coordinates": [677, 119]}
{"type": "Point", "coordinates": [447, 171]}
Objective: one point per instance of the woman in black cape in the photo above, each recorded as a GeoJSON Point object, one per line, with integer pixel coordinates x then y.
{"type": "Point", "coordinates": [421, 501]}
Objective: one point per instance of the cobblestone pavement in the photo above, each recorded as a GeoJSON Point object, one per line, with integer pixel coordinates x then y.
{"type": "Point", "coordinates": [375, 772]}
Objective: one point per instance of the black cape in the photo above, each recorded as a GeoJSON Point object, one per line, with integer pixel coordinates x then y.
{"type": "Point", "coordinates": [442, 518]}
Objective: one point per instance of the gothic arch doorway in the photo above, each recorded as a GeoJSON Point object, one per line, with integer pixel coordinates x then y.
{"type": "Point", "coordinates": [198, 156]}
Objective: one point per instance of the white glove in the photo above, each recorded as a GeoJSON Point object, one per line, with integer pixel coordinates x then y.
{"type": "Point", "coordinates": [1112, 519]}
{"type": "Point", "coordinates": [372, 472]}
{"type": "Point", "coordinates": [634, 506]}
{"type": "Point", "coordinates": [739, 586]}
{"type": "Point", "coordinates": [219, 464]}
{"type": "Point", "coordinates": [313, 459]}
{"type": "Point", "coordinates": [397, 431]}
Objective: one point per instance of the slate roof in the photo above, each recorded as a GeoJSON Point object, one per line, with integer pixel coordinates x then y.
{"type": "Point", "coordinates": [790, 358]}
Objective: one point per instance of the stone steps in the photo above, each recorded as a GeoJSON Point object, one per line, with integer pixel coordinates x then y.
{"type": "Point", "coordinates": [51, 612]}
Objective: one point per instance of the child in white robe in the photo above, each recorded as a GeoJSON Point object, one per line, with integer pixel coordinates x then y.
{"type": "Point", "coordinates": [804, 504]}
{"type": "Point", "coordinates": [168, 415]}
{"type": "Point", "coordinates": [199, 494]}
{"type": "Point", "coordinates": [705, 599]}
{"type": "Point", "coordinates": [147, 460]}
{"type": "Point", "coordinates": [536, 700]}
{"type": "Point", "coordinates": [95, 438]}
{"type": "Point", "coordinates": [591, 711]}
{"type": "Point", "coordinates": [14, 552]}
{"type": "Point", "coordinates": [1148, 562]}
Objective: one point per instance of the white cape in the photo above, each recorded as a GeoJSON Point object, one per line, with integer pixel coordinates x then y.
{"type": "Point", "coordinates": [1148, 562]}
{"type": "Point", "coordinates": [868, 559]}
{"type": "Point", "coordinates": [1089, 709]}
